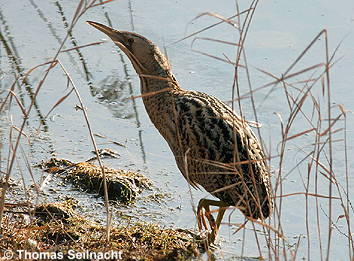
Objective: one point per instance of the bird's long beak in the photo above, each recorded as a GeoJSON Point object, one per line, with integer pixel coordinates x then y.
{"type": "Point", "coordinates": [120, 40]}
{"type": "Point", "coordinates": [116, 36]}
{"type": "Point", "coordinates": [112, 33]}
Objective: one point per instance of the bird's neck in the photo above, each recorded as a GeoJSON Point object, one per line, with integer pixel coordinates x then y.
{"type": "Point", "coordinates": [159, 97]}
{"type": "Point", "coordinates": [157, 83]}
{"type": "Point", "coordinates": [155, 73]}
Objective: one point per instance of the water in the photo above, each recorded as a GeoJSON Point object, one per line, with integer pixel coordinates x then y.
{"type": "Point", "coordinates": [279, 32]}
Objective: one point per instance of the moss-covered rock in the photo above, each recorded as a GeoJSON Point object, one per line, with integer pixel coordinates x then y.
{"type": "Point", "coordinates": [122, 185]}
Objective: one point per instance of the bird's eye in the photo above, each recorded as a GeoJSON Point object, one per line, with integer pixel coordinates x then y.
{"type": "Point", "coordinates": [130, 40]}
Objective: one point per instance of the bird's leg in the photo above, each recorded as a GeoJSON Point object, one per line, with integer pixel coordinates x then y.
{"type": "Point", "coordinates": [204, 203]}
{"type": "Point", "coordinates": [214, 225]}
{"type": "Point", "coordinates": [200, 218]}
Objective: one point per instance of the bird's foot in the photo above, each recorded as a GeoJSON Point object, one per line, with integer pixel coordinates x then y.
{"type": "Point", "coordinates": [212, 236]}
{"type": "Point", "coordinates": [208, 241]}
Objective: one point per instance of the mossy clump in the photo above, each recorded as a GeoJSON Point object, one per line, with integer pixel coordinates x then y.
{"type": "Point", "coordinates": [57, 227]}
{"type": "Point", "coordinates": [55, 211]}
{"type": "Point", "coordinates": [122, 185]}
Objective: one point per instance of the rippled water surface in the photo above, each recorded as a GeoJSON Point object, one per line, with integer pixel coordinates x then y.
{"type": "Point", "coordinates": [32, 31]}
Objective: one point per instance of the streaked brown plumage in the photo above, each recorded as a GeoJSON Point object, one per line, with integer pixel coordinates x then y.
{"type": "Point", "coordinates": [213, 147]}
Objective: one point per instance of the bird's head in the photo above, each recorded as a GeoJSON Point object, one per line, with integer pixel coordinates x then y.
{"type": "Point", "coordinates": [144, 55]}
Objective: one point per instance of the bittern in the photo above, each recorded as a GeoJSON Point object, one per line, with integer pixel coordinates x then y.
{"type": "Point", "coordinates": [213, 146]}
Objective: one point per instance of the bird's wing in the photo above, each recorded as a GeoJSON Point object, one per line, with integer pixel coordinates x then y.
{"type": "Point", "coordinates": [210, 127]}
{"type": "Point", "coordinates": [210, 131]}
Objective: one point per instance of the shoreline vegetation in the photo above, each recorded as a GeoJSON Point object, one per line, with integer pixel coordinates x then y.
{"type": "Point", "coordinates": [57, 230]}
